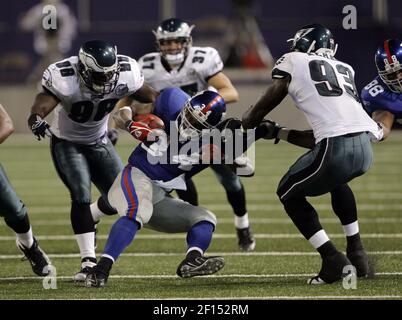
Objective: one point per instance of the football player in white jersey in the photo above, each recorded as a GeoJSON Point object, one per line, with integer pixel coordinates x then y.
{"type": "Point", "coordinates": [323, 89]}
{"type": "Point", "coordinates": [179, 64]}
{"type": "Point", "coordinates": [82, 90]}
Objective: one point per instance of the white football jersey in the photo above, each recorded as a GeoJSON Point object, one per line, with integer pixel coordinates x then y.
{"type": "Point", "coordinates": [201, 64]}
{"type": "Point", "coordinates": [324, 89]}
{"type": "Point", "coordinates": [82, 114]}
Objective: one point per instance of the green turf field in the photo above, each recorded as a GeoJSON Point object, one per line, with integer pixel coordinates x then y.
{"type": "Point", "coordinates": [278, 269]}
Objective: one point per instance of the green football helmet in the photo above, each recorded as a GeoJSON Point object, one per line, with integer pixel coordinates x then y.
{"type": "Point", "coordinates": [314, 38]}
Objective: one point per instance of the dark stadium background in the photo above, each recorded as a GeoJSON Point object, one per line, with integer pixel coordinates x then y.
{"type": "Point", "coordinates": [129, 24]}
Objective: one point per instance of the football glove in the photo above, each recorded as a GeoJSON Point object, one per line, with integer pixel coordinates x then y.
{"type": "Point", "coordinates": [272, 130]}
{"type": "Point", "coordinates": [231, 124]}
{"type": "Point", "coordinates": [39, 127]}
{"type": "Point", "coordinates": [138, 130]}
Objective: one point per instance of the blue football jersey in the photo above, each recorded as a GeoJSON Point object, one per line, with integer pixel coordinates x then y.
{"type": "Point", "coordinates": [377, 96]}
{"type": "Point", "coordinates": [169, 167]}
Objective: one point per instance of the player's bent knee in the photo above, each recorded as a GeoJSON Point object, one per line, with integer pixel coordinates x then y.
{"type": "Point", "coordinates": [207, 216]}
{"type": "Point", "coordinates": [145, 211]}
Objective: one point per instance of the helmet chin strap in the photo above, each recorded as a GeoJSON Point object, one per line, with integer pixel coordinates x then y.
{"type": "Point", "coordinates": [97, 88]}
{"type": "Point", "coordinates": [336, 48]}
{"type": "Point", "coordinates": [311, 47]}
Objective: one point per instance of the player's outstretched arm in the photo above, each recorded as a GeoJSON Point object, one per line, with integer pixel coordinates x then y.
{"type": "Point", "coordinates": [225, 87]}
{"type": "Point", "coordinates": [385, 119]}
{"type": "Point", "coordinates": [6, 124]}
{"type": "Point", "coordinates": [299, 138]}
{"type": "Point", "coordinates": [272, 97]}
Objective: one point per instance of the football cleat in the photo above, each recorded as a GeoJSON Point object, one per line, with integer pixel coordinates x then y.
{"type": "Point", "coordinates": [98, 275]}
{"type": "Point", "coordinates": [86, 266]}
{"type": "Point", "coordinates": [96, 278]}
{"type": "Point", "coordinates": [244, 166]}
{"type": "Point", "coordinates": [200, 266]}
{"type": "Point", "coordinates": [36, 257]}
{"type": "Point", "coordinates": [360, 261]}
{"type": "Point", "coordinates": [332, 269]}
{"type": "Point", "coordinates": [246, 239]}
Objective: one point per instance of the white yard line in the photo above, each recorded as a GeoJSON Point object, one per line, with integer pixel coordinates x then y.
{"type": "Point", "coordinates": [169, 276]}
{"type": "Point", "coordinates": [176, 254]}
{"type": "Point", "coordinates": [215, 236]}
{"type": "Point", "coordinates": [251, 207]}
{"type": "Point", "coordinates": [388, 220]}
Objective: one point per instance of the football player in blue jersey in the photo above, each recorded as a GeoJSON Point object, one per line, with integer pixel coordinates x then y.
{"type": "Point", "coordinates": [178, 63]}
{"type": "Point", "coordinates": [140, 192]}
{"type": "Point", "coordinates": [382, 97]}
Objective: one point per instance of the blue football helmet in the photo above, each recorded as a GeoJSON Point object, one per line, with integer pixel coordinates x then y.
{"type": "Point", "coordinates": [203, 111]}
{"type": "Point", "coordinates": [388, 59]}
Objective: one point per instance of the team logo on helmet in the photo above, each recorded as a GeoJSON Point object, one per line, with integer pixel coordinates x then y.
{"type": "Point", "coordinates": [121, 89]}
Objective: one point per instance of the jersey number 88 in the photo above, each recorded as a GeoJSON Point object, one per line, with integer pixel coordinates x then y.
{"type": "Point", "coordinates": [374, 88]}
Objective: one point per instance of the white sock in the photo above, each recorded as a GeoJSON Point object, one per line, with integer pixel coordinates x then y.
{"type": "Point", "coordinates": [318, 239]}
{"type": "Point", "coordinates": [96, 213]}
{"type": "Point", "coordinates": [242, 222]}
{"type": "Point", "coordinates": [195, 248]}
{"type": "Point", "coordinates": [86, 244]}
{"type": "Point", "coordinates": [26, 239]}
{"type": "Point", "coordinates": [351, 228]}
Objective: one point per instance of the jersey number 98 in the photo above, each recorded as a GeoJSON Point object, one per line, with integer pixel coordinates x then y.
{"type": "Point", "coordinates": [81, 111]}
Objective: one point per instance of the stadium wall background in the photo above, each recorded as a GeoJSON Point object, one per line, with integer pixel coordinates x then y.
{"type": "Point", "coordinates": [18, 101]}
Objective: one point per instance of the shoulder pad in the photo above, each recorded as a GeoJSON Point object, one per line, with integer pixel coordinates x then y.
{"type": "Point", "coordinates": [61, 78]}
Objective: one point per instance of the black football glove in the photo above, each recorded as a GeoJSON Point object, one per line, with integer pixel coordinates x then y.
{"type": "Point", "coordinates": [113, 135]}
{"type": "Point", "coordinates": [272, 130]}
{"type": "Point", "coordinates": [230, 124]}
{"type": "Point", "coordinates": [39, 127]}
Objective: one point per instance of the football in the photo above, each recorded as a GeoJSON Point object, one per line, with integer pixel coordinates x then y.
{"type": "Point", "coordinates": [150, 120]}
{"type": "Point", "coordinates": [143, 124]}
